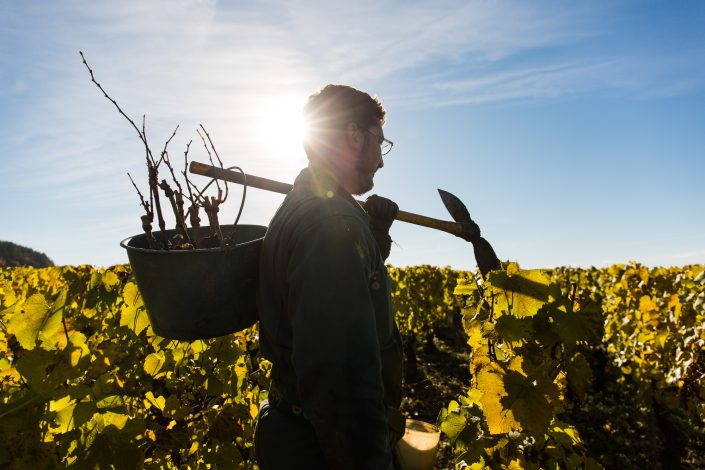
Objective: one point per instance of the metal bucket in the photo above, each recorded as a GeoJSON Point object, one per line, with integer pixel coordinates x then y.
{"type": "Point", "coordinates": [198, 294]}
{"type": "Point", "coordinates": [417, 449]}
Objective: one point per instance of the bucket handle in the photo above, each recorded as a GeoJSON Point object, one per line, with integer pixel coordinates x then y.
{"type": "Point", "coordinates": [242, 202]}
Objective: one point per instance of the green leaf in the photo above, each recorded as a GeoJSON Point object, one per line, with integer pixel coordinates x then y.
{"type": "Point", "coordinates": [511, 328]}
{"type": "Point", "coordinates": [28, 319]}
{"type": "Point", "coordinates": [223, 455]}
{"type": "Point", "coordinates": [579, 375]}
{"type": "Point", "coordinates": [113, 401]}
{"type": "Point", "coordinates": [33, 366]}
{"type": "Point", "coordinates": [114, 419]}
{"type": "Point", "coordinates": [95, 280]}
{"type": "Point", "coordinates": [51, 333]}
{"type": "Point", "coordinates": [565, 434]}
{"type": "Point", "coordinates": [61, 403]}
{"type": "Point", "coordinates": [528, 402]}
{"type": "Point", "coordinates": [73, 416]}
{"type": "Point", "coordinates": [572, 328]}
{"type": "Point", "coordinates": [174, 408]}
{"type": "Point", "coordinates": [453, 425]}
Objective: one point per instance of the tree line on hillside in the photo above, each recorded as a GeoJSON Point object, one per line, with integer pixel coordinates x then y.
{"type": "Point", "coordinates": [12, 255]}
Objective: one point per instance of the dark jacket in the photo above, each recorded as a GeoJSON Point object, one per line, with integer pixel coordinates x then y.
{"type": "Point", "coordinates": [326, 321]}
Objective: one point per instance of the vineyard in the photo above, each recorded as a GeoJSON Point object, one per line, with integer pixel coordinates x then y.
{"type": "Point", "coordinates": [566, 368]}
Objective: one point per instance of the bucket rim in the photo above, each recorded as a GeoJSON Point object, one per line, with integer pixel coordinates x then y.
{"type": "Point", "coordinates": [125, 244]}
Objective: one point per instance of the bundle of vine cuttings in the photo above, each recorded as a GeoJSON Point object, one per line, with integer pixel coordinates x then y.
{"type": "Point", "coordinates": [183, 237]}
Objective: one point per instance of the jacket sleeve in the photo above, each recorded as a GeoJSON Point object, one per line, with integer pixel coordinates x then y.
{"type": "Point", "coordinates": [335, 348]}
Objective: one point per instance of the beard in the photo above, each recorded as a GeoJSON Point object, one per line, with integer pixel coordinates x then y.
{"type": "Point", "coordinates": [365, 180]}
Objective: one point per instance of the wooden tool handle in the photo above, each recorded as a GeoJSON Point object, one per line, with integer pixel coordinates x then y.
{"type": "Point", "coordinates": [443, 225]}
{"type": "Point", "coordinates": [236, 177]}
{"type": "Point", "coordinates": [283, 188]}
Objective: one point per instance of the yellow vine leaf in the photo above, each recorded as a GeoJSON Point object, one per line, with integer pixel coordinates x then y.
{"type": "Point", "coordinates": [153, 363]}
{"type": "Point", "coordinates": [110, 280]}
{"type": "Point", "coordinates": [490, 381]}
{"type": "Point", "coordinates": [158, 402]}
{"type": "Point", "coordinates": [131, 295]}
{"type": "Point", "coordinates": [518, 292]}
{"type": "Point", "coordinates": [7, 295]}
{"type": "Point", "coordinates": [133, 315]}
{"type": "Point", "coordinates": [514, 465]}
{"type": "Point", "coordinates": [28, 319]}
{"type": "Point", "coordinates": [647, 305]}
{"type": "Point", "coordinates": [52, 333]}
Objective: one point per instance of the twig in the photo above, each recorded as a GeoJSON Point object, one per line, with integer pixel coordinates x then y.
{"type": "Point", "coordinates": [166, 144]}
{"type": "Point", "coordinates": [21, 405]}
{"type": "Point", "coordinates": [178, 202]}
{"type": "Point", "coordinates": [147, 228]}
{"type": "Point", "coordinates": [211, 208]}
{"type": "Point", "coordinates": [142, 137]}
{"type": "Point", "coordinates": [142, 201]}
{"type": "Point", "coordinates": [154, 188]}
{"type": "Point", "coordinates": [210, 158]}
{"type": "Point", "coordinates": [150, 157]}
{"type": "Point", "coordinates": [195, 221]}
{"type": "Point", "coordinates": [181, 223]}
{"type": "Point", "coordinates": [66, 330]}
{"type": "Point", "coordinates": [146, 219]}
{"type": "Point", "coordinates": [220, 162]}
{"type": "Point", "coordinates": [185, 172]}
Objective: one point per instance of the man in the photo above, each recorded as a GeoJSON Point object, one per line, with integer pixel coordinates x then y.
{"type": "Point", "coordinates": [324, 301]}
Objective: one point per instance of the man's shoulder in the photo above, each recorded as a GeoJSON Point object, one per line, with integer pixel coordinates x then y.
{"type": "Point", "coordinates": [310, 209]}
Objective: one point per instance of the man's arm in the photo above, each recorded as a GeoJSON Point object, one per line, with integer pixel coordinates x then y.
{"type": "Point", "coordinates": [382, 212]}
{"type": "Point", "coordinates": [336, 356]}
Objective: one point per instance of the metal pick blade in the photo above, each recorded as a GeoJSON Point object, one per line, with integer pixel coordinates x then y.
{"type": "Point", "coordinates": [455, 206]}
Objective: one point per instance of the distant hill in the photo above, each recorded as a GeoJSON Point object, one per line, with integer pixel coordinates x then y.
{"type": "Point", "coordinates": [12, 255]}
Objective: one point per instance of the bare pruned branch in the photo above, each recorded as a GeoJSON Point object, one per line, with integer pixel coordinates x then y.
{"type": "Point", "coordinates": [147, 218]}
{"type": "Point", "coordinates": [166, 144]}
{"type": "Point", "coordinates": [220, 162]}
{"type": "Point", "coordinates": [150, 157]}
{"type": "Point", "coordinates": [185, 172]}
{"type": "Point", "coordinates": [210, 156]}
{"type": "Point", "coordinates": [143, 138]}
{"type": "Point", "coordinates": [176, 197]}
{"type": "Point", "coordinates": [144, 203]}
{"type": "Point", "coordinates": [178, 214]}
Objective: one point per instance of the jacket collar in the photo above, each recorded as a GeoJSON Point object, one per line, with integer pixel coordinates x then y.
{"type": "Point", "coordinates": [323, 183]}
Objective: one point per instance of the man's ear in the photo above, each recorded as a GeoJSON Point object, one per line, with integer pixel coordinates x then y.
{"type": "Point", "coordinates": [354, 136]}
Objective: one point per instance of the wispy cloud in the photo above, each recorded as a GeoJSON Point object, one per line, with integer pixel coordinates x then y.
{"type": "Point", "coordinates": [220, 63]}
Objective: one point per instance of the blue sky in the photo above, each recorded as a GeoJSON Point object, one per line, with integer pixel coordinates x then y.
{"type": "Point", "coordinates": [573, 131]}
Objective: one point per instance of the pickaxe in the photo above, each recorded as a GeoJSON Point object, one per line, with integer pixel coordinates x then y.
{"type": "Point", "coordinates": [463, 227]}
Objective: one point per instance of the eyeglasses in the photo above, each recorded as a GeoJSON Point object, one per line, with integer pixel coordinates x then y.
{"type": "Point", "coordinates": [385, 145]}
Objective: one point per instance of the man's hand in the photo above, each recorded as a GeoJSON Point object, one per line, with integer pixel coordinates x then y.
{"type": "Point", "coordinates": [382, 212]}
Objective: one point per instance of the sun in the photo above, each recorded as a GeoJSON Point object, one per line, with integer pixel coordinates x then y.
{"type": "Point", "coordinates": [279, 128]}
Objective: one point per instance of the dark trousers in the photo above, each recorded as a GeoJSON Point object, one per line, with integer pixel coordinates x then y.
{"type": "Point", "coordinates": [285, 440]}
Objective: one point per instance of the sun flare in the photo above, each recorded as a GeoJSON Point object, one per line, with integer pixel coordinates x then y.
{"type": "Point", "coordinates": [280, 130]}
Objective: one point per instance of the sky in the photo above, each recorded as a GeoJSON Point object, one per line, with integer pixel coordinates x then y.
{"type": "Point", "coordinates": [574, 132]}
